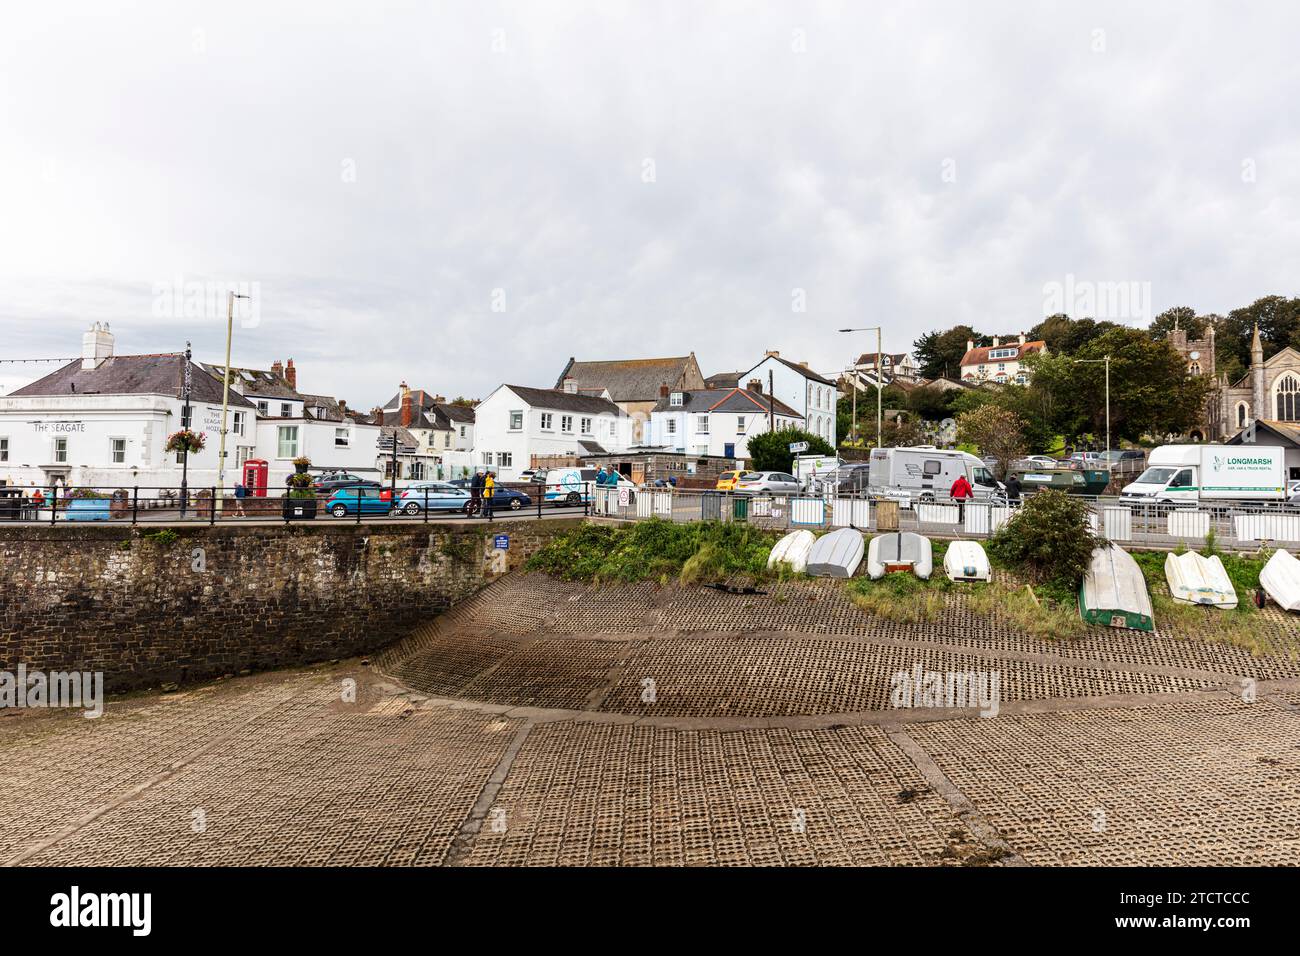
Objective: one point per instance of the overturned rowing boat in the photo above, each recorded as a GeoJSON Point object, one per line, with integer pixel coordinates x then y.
{"type": "Point", "coordinates": [1114, 592]}
{"type": "Point", "coordinates": [1280, 578]}
{"type": "Point", "coordinates": [836, 555]}
{"type": "Point", "coordinates": [1195, 579]}
{"type": "Point", "coordinates": [900, 551]}
{"type": "Point", "coordinates": [966, 561]}
{"type": "Point", "coordinates": [792, 551]}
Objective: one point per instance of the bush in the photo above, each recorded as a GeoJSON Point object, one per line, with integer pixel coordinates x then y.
{"type": "Point", "coordinates": [1048, 539]}
{"type": "Point", "coordinates": [770, 451]}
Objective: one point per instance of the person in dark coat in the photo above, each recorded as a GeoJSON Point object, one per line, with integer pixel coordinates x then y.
{"type": "Point", "coordinates": [1013, 488]}
{"type": "Point", "coordinates": [476, 491]}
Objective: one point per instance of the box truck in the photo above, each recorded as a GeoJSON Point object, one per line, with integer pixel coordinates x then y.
{"type": "Point", "coordinates": [1189, 474]}
{"type": "Point", "coordinates": [926, 474]}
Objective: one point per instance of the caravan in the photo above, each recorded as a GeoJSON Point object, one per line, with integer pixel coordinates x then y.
{"type": "Point", "coordinates": [926, 474]}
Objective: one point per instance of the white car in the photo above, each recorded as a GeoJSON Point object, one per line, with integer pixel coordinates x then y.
{"type": "Point", "coordinates": [768, 482]}
{"type": "Point", "coordinates": [1036, 461]}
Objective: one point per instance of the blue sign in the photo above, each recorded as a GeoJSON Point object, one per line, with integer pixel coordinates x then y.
{"type": "Point", "coordinates": [502, 542]}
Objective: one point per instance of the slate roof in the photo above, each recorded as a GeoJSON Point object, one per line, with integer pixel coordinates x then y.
{"type": "Point", "coordinates": [564, 401]}
{"type": "Point", "coordinates": [723, 380]}
{"type": "Point", "coordinates": [628, 380]}
{"type": "Point", "coordinates": [253, 381]}
{"type": "Point", "coordinates": [726, 400]}
{"type": "Point", "coordinates": [802, 370]}
{"type": "Point", "coordinates": [132, 375]}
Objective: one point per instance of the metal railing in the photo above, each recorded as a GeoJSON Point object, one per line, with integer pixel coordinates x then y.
{"type": "Point", "coordinates": [169, 505]}
{"type": "Point", "coordinates": [1235, 525]}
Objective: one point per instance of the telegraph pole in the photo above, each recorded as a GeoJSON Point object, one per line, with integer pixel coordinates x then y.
{"type": "Point", "coordinates": [225, 399]}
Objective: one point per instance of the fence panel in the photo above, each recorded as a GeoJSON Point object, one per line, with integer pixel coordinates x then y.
{"type": "Point", "coordinates": [807, 511]}
{"type": "Point", "coordinates": [851, 512]}
{"type": "Point", "coordinates": [982, 519]}
{"type": "Point", "coordinates": [663, 503]}
{"type": "Point", "coordinates": [1188, 524]}
{"type": "Point", "coordinates": [1118, 523]}
{"type": "Point", "coordinates": [937, 514]}
{"type": "Point", "coordinates": [1266, 527]}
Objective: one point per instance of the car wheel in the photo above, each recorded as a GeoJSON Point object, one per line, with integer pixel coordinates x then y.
{"type": "Point", "coordinates": [339, 511]}
{"type": "Point", "coordinates": [573, 500]}
{"type": "Point", "coordinates": [515, 504]}
{"type": "Point", "coordinates": [927, 498]}
{"type": "Point", "coordinates": [412, 508]}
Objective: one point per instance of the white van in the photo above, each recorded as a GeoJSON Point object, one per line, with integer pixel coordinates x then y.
{"type": "Point", "coordinates": [1189, 474]}
{"type": "Point", "coordinates": [926, 474]}
{"type": "Point", "coordinates": [572, 486]}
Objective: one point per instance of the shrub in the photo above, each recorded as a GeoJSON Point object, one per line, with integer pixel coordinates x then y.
{"type": "Point", "coordinates": [770, 451]}
{"type": "Point", "coordinates": [1048, 539]}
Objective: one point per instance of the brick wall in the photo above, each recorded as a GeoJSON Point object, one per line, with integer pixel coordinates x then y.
{"type": "Point", "coordinates": [218, 600]}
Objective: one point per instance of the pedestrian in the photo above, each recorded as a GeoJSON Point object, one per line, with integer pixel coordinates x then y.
{"type": "Point", "coordinates": [476, 492]}
{"type": "Point", "coordinates": [240, 494]}
{"type": "Point", "coordinates": [489, 490]}
{"type": "Point", "coordinates": [961, 490]}
{"type": "Point", "coordinates": [1013, 489]}
{"type": "Point", "coordinates": [672, 480]}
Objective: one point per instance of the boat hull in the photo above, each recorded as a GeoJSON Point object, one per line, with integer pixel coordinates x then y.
{"type": "Point", "coordinates": [1114, 592]}
{"type": "Point", "coordinates": [1280, 579]}
{"type": "Point", "coordinates": [1196, 579]}
{"type": "Point", "coordinates": [792, 551]}
{"type": "Point", "coordinates": [966, 561]}
{"type": "Point", "coordinates": [836, 555]}
{"type": "Point", "coordinates": [906, 551]}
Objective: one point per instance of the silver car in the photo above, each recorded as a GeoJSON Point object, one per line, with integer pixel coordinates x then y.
{"type": "Point", "coordinates": [768, 483]}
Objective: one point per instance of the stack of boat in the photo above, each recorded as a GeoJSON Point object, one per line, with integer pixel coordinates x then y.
{"type": "Point", "coordinates": [792, 551]}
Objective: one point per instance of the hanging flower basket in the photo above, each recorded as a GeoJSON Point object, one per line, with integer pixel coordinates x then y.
{"type": "Point", "coordinates": [301, 464]}
{"type": "Point", "coordinates": [186, 441]}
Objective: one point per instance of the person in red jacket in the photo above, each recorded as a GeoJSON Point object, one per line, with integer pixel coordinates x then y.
{"type": "Point", "coordinates": [961, 490]}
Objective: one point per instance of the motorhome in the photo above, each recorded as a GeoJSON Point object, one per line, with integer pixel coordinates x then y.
{"type": "Point", "coordinates": [1189, 474]}
{"type": "Point", "coordinates": [927, 474]}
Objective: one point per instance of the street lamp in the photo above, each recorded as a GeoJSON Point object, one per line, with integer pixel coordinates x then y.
{"type": "Point", "coordinates": [880, 385]}
{"type": "Point", "coordinates": [186, 415]}
{"type": "Point", "coordinates": [225, 400]}
{"type": "Point", "coordinates": [1102, 361]}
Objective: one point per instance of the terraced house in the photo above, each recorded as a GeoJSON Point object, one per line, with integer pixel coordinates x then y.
{"type": "Point", "coordinates": [634, 385]}
{"type": "Point", "coordinates": [717, 421]}
{"type": "Point", "coordinates": [516, 425]}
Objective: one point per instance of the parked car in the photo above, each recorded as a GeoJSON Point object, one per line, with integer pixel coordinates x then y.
{"type": "Point", "coordinates": [1124, 460]}
{"type": "Point", "coordinates": [435, 495]}
{"type": "Point", "coordinates": [768, 482]}
{"type": "Point", "coordinates": [327, 484]}
{"type": "Point", "coordinates": [502, 497]}
{"type": "Point", "coordinates": [1035, 461]}
{"type": "Point", "coordinates": [727, 480]}
{"type": "Point", "coordinates": [370, 501]}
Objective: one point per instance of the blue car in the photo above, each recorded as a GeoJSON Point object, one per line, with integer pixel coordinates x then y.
{"type": "Point", "coordinates": [502, 497]}
{"type": "Point", "coordinates": [371, 501]}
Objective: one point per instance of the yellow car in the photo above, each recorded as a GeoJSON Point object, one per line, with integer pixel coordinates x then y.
{"type": "Point", "coordinates": [727, 480]}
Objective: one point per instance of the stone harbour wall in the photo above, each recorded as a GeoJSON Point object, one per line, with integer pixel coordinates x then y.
{"type": "Point", "coordinates": [149, 607]}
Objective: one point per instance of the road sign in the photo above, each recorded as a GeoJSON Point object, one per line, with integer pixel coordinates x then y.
{"type": "Point", "coordinates": [624, 496]}
{"type": "Point", "coordinates": [798, 446]}
{"type": "Point", "coordinates": [501, 542]}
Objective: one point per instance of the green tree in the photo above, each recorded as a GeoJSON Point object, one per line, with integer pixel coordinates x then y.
{"type": "Point", "coordinates": [1182, 316]}
{"type": "Point", "coordinates": [770, 451]}
{"type": "Point", "coordinates": [1049, 539]}
{"type": "Point", "coordinates": [995, 431]}
{"type": "Point", "coordinates": [1065, 336]}
{"type": "Point", "coordinates": [1279, 326]}
{"type": "Point", "coordinates": [939, 353]}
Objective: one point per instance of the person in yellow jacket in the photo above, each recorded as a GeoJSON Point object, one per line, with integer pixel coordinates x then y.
{"type": "Point", "coordinates": [489, 489]}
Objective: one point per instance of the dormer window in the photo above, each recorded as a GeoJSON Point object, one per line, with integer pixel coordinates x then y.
{"type": "Point", "coordinates": [675, 399]}
{"type": "Point", "coordinates": [1003, 353]}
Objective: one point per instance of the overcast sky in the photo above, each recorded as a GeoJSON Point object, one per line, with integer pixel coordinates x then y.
{"type": "Point", "coordinates": [627, 180]}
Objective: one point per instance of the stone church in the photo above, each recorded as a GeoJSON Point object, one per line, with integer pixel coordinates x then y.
{"type": "Point", "coordinates": [1269, 391]}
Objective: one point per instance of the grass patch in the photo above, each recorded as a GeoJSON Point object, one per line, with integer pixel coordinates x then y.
{"type": "Point", "coordinates": [659, 550]}
{"type": "Point", "coordinates": [1047, 612]}
{"type": "Point", "coordinates": [901, 597]}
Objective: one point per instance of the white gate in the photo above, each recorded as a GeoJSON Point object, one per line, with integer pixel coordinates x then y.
{"type": "Point", "coordinates": [807, 511]}
{"type": "Point", "coordinates": [1118, 523]}
{"type": "Point", "coordinates": [985, 519]}
{"type": "Point", "coordinates": [1266, 527]}
{"type": "Point", "coordinates": [937, 514]}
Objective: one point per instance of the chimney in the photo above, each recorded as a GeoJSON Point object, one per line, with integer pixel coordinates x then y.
{"type": "Point", "coordinates": [291, 375]}
{"type": "Point", "coordinates": [343, 407]}
{"type": "Point", "coordinates": [440, 399]}
{"type": "Point", "coordinates": [755, 385]}
{"type": "Point", "coordinates": [803, 365]}
{"type": "Point", "coordinates": [1022, 338]}
{"type": "Point", "coordinates": [996, 341]}
{"type": "Point", "coordinates": [378, 415]}
{"type": "Point", "coordinates": [96, 345]}
{"type": "Point", "coordinates": [406, 406]}
{"type": "Point", "coordinates": [970, 345]}
{"type": "Point", "coordinates": [664, 390]}
{"type": "Point", "coordinates": [277, 369]}
{"type": "Point", "coordinates": [772, 353]}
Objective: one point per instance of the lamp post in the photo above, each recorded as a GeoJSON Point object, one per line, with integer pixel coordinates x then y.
{"type": "Point", "coordinates": [225, 399]}
{"type": "Point", "coordinates": [1102, 361]}
{"type": "Point", "coordinates": [880, 385]}
{"type": "Point", "coordinates": [186, 414]}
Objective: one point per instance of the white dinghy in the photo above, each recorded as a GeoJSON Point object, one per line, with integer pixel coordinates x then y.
{"type": "Point", "coordinates": [1195, 579]}
{"type": "Point", "coordinates": [1114, 591]}
{"type": "Point", "coordinates": [792, 550]}
{"type": "Point", "coordinates": [1281, 579]}
{"type": "Point", "coordinates": [966, 561]}
{"type": "Point", "coordinates": [900, 551]}
{"type": "Point", "coordinates": [836, 555]}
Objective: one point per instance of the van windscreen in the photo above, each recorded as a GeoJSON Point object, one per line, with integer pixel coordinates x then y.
{"type": "Point", "coordinates": [1155, 476]}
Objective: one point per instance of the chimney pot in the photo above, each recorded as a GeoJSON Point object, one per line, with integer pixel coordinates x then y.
{"type": "Point", "coordinates": [773, 353]}
{"type": "Point", "coordinates": [96, 346]}
{"type": "Point", "coordinates": [755, 385]}
{"type": "Point", "coordinates": [663, 390]}
{"type": "Point", "coordinates": [970, 345]}
{"type": "Point", "coordinates": [996, 341]}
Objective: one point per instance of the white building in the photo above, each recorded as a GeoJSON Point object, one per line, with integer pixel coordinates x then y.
{"type": "Point", "coordinates": [804, 391]}
{"type": "Point", "coordinates": [717, 421]}
{"type": "Point", "coordinates": [443, 432]}
{"type": "Point", "coordinates": [516, 423]}
{"type": "Point", "coordinates": [999, 362]}
{"type": "Point", "coordinates": [103, 421]}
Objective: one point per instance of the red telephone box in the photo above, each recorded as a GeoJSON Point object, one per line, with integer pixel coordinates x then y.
{"type": "Point", "coordinates": [255, 477]}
